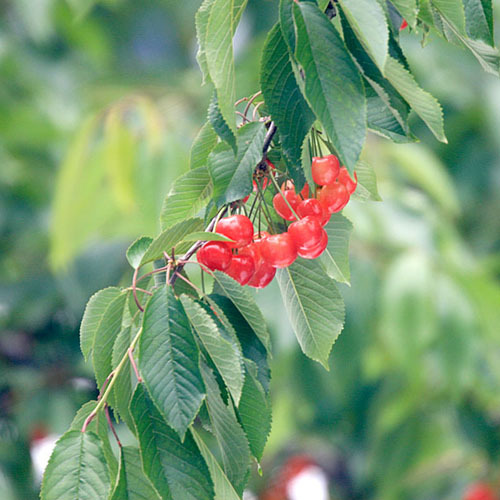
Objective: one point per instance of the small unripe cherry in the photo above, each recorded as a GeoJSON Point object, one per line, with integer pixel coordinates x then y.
{"type": "Point", "coordinates": [242, 268]}
{"type": "Point", "coordinates": [311, 206]}
{"type": "Point", "coordinates": [236, 227]}
{"type": "Point", "coordinates": [325, 169]}
{"type": "Point", "coordinates": [215, 255]}
{"type": "Point", "coordinates": [278, 250]}
{"type": "Point", "coordinates": [281, 207]}
{"type": "Point", "coordinates": [306, 233]}
{"type": "Point", "coordinates": [313, 253]}
{"type": "Point", "coordinates": [345, 179]}
{"type": "Point", "coordinates": [334, 197]}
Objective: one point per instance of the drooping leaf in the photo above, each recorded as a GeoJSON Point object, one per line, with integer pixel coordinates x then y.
{"type": "Point", "coordinates": [201, 22]}
{"type": "Point", "coordinates": [132, 484]}
{"type": "Point", "coordinates": [219, 123]}
{"type": "Point", "coordinates": [176, 469]}
{"type": "Point", "coordinates": [223, 488]}
{"type": "Point", "coordinates": [453, 11]}
{"type": "Point", "coordinates": [226, 356]}
{"type": "Point", "coordinates": [171, 237]}
{"type": "Point", "coordinates": [204, 142]}
{"type": "Point", "coordinates": [367, 19]}
{"type": "Point", "coordinates": [367, 183]}
{"type": "Point", "coordinates": [314, 306]}
{"type": "Point", "coordinates": [246, 305]}
{"type": "Point", "coordinates": [137, 249]}
{"type": "Point", "coordinates": [332, 83]}
{"type": "Point", "coordinates": [92, 318]}
{"type": "Point", "coordinates": [186, 198]}
{"type": "Point", "coordinates": [479, 20]}
{"type": "Point", "coordinates": [231, 439]}
{"type": "Point", "coordinates": [285, 102]}
{"type": "Point", "coordinates": [408, 9]}
{"type": "Point", "coordinates": [335, 258]}
{"type": "Point", "coordinates": [77, 469]}
{"type": "Point", "coordinates": [168, 360]}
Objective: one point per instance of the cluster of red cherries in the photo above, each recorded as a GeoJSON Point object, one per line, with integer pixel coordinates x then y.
{"type": "Point", "coordinates": [252, 259]}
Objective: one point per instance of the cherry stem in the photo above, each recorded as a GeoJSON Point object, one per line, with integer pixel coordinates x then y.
{"type": "Point", "coordinates": [134, 290]}
{"type": "Point", "coordinates": [111, 426]}
{"type": "Point", "coordinates": [134, 366]}
{"type": "Point", "coordinates": [189, 283]}
{"type": "Point", "coordinates": [249, 103]}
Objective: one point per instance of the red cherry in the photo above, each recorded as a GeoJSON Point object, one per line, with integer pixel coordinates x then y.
{"type": "Point", "coordinates": [278, 250]}
{"type": "Point", "coordinates": [325, 169]}
{"type": "Point", "coordinates": [305, 191]}
{"type": "Point", "coordinates": [282, 208]}
{"type": "Point", "coordinates": [264, 273]}
{"type": "Point", "coordinates": [242, 268]}
{"type": "Point", "coordinates": [306, 233]}
{"type": "Point", "coordinates": [480, 491]}
{"type": "Point", "coordinates": [215, 255]}
{"type": "Point", "coordinates": [334, 197]}
{"type": "Point", "coordinates": [316, 251]}
{"type": "Point", "coordinates": [345, 179]}
{"type": "Point", "coordinates": [404, 25]}
{"type": "Point", "coordinates": [311, 206]}
{"type": "Point", "coordinates": [236, 227]}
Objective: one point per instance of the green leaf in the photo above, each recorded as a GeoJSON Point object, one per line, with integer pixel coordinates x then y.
{"type": "Point", "coordinates": [168, 360]}
{"type": "Point", "coordinates": [231, 439]}
{"type": "Point", "coordinates": [283, 98]}
{"type": "Point", "coordinates": [132, 484]}
{"type": "Point", "coordinates": [201, 22]}
{"type": "Point", "coordinates": [77, 469]}
{"type": "Point", "coordinates": [187, 197]}
{"type": "Point", "coordinates": [335, 258]}
{"type": "Point", "coordinates": [453, 11]}
{"type": "Point", "coordinates": [408, 9]}
{"type": "Point", "coordinates": [171, 237]}
{"type": "Point", "coordinates": [314, 306]}
{"type": "Point", "coordinates": [367, 183]}
{"type": "Point", "coordinates": [137, 249]}
{"type": "Point", "coordinates": [206, 236]}
{"type": "Point", "coordinates": [246, 305]}
{"type": "Point", "coordinates": [367, 19]}
{"type": "Point", "coordinates": [94, 313]}
{"type": "Point", "coordinates": [479, 20]}
{"type": "Point", "coordinates": [226, 356]}
{"type": "Point", "coordinates": [204, 142]}
{"type": "Point", "coordinates": [423, 103]}
{"type": "Point", "coordinates": [105, 337]}
{"type": "Point", "coordinates": [223, 488]}
{"type": "Point", "coordinates": [254, 411]}
{"type": "Point", "coordinates": [177, 470]}
{"type": "Point", "coordinates": [332, 86]}
{"type": "Point", "coordinates": [99, 426]}
{"type": "Point", "coordinates": [232, 177]}
{"type": "Point", "coordinates": [219, 124]}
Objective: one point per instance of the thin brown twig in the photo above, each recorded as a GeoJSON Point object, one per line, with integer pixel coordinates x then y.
{"type": "Point", "coordinates": [134, 366]}
{"type": "Point", "coordinates": [111, 426]}
{"type": "Point", "coordinates": [134, 290]}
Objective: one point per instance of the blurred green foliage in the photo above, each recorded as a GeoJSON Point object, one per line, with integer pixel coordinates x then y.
{"type": "Point", "coordinates": [99, 103]}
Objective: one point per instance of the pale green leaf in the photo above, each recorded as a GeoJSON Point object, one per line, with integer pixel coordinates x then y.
{"type": "Point", "coordinates": [206, 236]}
{"type": "Point", "coordinates": [201, 22]}
{"type": "Point", "coordinates": [479, 20]}
{"type": "Point", "coordinates": [204, 142]}
{"type": "Point", "coordinates": [408, 9]}
{"type": "Point", "coordinates": [367, 183]}
{"type": "Point", "coordinates": [453, 11]}
{"type": "Point", "coordinates": [137, 249]}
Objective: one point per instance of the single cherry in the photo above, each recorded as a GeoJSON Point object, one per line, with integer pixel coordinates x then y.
{"type": "Point", "coordinates": [325, 169]}
{"type": "Point", "coordinates": [236, 227]}
{"type": "Point", "coordinates": [264, 273]}
{"type": "Point", "coordinates": [242, 268]}
{"type": "Point", "coordinates": [305, 191]}
{"type": "Point", "coordinates": [278, 250]}
{"type": "Point", "coordinates": [215, 255]}
{"type": "Point", "coordinates": [345, 179]}
{"type": "Point", "coordinates": [480, 491]}
{"type": "Point", "coordinates": [334, 197]}
{"type": "Point", "coordinates": [306, 232]}
{"type": "Point", "coordinates": [311, 206]}
{"type": "Point", "coordinates": [316, 251]}
{"type": "Point", "coordinates": [281, 207]}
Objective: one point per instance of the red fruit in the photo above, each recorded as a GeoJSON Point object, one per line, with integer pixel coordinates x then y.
{"type": "Point", "coordinates": [242, 268]}
{"type": "Point", "coordinates": [215, 255]}
{"type": "Point", "coordinates": [480, 491]}
{"type": "Point", "coordinates": [334, 197]}
{"type": "Point", "coordinates": [237, 227]}
{"type": "Point", "coordinates": [282, 209]}
{"type": "Point", "coordinates": [311, 206]}
{"type": "Point", "coordinates": [325, 169]}
{"type": "Point", "coordinates": [278, 250]}
{"type": "Point", "coordinates": [404, 25]}
{"type": "Point", "coordinates": [305, 191]}
{"type": "Point", "coordinates": [316, 251]}
{"type": "Point", "coordinates": [306, 233]}
{"type": "Point", "coordinates": [345, 179]}
{"type": "Point", "coordinates": [264, 273]}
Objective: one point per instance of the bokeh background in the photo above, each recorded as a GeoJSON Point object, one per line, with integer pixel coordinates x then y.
{"type": "Point", "coordinates": [98, 107]}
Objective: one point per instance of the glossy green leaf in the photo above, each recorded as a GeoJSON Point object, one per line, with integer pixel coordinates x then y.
{"type": "Point", "coordinates": [479, 20]}
{"type": "Point", "coordinates": [204, 142]}
{"type": "Point", "coordinates": [171, 237]}
{"type": "Point", "coordinates": [188, 195]}
{"type": "Point", "coordinates": [77, 469]}
{"type": "Point", "coordinates": [93, 316]}
{"type": "Point", "coordinates": [168, 360]}
{"type": "Point", "coordinates": [231, 440]}
{"type": "Point", "coordinates": [226, 356]}
{"type": "Point", "coordinates": [132, 484]}
{"type": "Point", "coordinates": [332, 84]}
{"type": "Point", "coordinates": [285, 102]}
{"type": "Point", "coordinates": [246, 305]}
{"type": "Point", "coordinates": [314, 306]}
{"type": "Point", "coordinates": [176, 469]}
{"type": "Point", "coordinates": [453, 11]}
{"type": "Point", "coordinates": [201, 22]}
{"type": "Point", "coordinates": [219, 123]}
{"type": "Point", "coordinates": [206, 236]}
{"type": "Point", "coordinates": [367, 183]}
{"type": "Point", "coordinates": [335, 258]}
{"type": "Point", "coordinates": [137, 249]}
{"type": "Point", "coordinates": [367, 19]}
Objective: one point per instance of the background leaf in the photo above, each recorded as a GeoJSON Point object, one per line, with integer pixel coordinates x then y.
{"type": "Point", "coordinates": [137, 249]}
{"type": "Point", "coordinates": [204, 142]}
